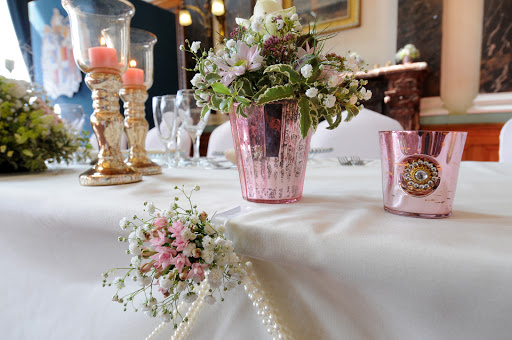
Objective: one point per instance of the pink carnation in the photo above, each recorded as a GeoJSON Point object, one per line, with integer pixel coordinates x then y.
{"type": "Point", "coordinates": [180, 261]}
{"type": "Point", "coordinates": [164, 256]}
{"type": "Point", "coordinates": [197, 272]}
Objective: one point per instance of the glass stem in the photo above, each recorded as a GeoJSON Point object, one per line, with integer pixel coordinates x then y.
{"type": "Point", "coordinates": [196, 148]}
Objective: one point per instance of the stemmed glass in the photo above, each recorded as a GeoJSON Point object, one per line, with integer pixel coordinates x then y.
{"type": "Point", "coordinates": [72, 115]}
{"type": "Point", "coordinates": [192, 122]}
{"type": "Point", "coordinates": [163, 112]}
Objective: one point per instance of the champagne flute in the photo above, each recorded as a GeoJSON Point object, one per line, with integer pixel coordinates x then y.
{"type": "Point", "coordinates": [192, 121]}
{"type": "Point", "coordinates": [165, 130]}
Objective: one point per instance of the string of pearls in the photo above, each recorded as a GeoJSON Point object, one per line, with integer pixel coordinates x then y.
{"type": "Point", "coordinates": [264, 308]}
{"type": "Point", "coordinates": [192, 314]}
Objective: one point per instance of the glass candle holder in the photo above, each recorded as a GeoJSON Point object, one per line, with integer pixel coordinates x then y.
{"type": "Point", "coordinates": [137, 79]}
{"type": "Point", "coordinates": [420, 170]}
{"type": "Point", "coordinates": [100, 35]}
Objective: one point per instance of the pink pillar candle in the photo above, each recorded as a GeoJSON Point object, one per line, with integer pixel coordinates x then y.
{"type": "Point", "coordinates": [133, 76]}
{"type": "Point", "coordinates": [104, 57]}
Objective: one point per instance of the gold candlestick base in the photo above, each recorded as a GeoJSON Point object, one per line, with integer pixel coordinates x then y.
{"type": "Point", "coordinates": [107, 124]}
{"type": "Point", "coordinates": [136, 128]}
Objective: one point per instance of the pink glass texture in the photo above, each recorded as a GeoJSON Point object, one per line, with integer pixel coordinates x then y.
{"type": "Point", "coordinates": [420, 170]}
{"type": "Point", "coordinates": [271, 154]}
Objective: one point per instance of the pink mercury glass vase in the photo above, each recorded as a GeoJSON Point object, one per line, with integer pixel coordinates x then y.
{"type": "Point", "coordinates": [420, 170]}
{"type": "Point", "coordinates": [271, 154]}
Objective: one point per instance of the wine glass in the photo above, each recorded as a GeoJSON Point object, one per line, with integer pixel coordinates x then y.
{"type": "Point", "coordinates": [72, 115]}
{"type": "Point", "coordinates": [192, 121]}
{"type": "Point", "coordinates": [164, 123]}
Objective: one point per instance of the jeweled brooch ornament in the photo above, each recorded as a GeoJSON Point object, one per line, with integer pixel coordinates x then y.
{"type": "Point", "coordinates": [420, 176]}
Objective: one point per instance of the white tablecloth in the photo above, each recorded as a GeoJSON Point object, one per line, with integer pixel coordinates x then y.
{"type": "Point", "coordinates": [335, 264]}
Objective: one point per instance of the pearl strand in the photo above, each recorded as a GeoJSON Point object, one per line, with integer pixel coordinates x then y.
{"type": "Point", "coordinates": [264, 308]}
{"type": "Point", "coordinates": [192, 313]}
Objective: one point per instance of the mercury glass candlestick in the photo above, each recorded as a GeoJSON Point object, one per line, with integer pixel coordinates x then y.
{"type": "Point", "coordinates": [100, 35]}
{"type": "Point", "coordinates": [136, 80]}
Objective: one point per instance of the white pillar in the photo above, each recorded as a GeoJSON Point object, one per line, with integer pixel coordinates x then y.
{"type": "Point", "coordinates": [461, 53]}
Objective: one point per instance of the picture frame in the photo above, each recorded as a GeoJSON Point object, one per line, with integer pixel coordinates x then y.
{"type": "Point", "coordinates": [331, 15]}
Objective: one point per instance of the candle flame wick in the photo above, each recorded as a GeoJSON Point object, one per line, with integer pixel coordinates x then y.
{"type": "Point", "coordinates": [133, 63]}
{"type": "Point", "coordinates": [102, 41]}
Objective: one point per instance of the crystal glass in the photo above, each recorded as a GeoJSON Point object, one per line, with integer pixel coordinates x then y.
{"type": "Point", "coordinates": [141, 57]}
{"type": "Point", "coordinates": [420, 170]}
{"type": "Point", "coordinates": [72, 115]}
{"type": "Point", "coordinates": [192, 121]}
{"type": "Point", "coordinates": [164, 123]}
{"type": "Point", "coordinates": [271, 153]}
{"type": "Point", "coordinates": [100, 32]}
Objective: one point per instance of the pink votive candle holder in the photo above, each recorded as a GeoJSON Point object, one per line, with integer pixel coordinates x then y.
{"type": "Point", "coordinates": [420, 170]}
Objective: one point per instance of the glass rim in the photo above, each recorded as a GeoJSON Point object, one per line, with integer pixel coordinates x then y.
{"type": "Point", "coordinates": [417, 131]}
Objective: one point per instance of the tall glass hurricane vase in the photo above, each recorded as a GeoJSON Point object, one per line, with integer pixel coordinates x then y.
{"type": "Point", "coordinates": [100, 35]}
{"type": "Point", "coordinates": [192, 122]}
{"type": "Point", "coordinates": [137, 79]}
{"type": "Point", "coordinates": [271, 153]}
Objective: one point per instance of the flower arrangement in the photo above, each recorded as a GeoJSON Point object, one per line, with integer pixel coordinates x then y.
{"type": "Point", "coordinates": [409, 51]}
{"type": "Point", "coordinates": [267, 58]}
{"type": "Point", "coordinates": [173, 252]}
{"type": "Point", "coordinates": [30, 131]}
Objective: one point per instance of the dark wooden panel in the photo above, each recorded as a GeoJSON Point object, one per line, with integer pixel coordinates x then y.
{"type": "Point", "coordinates": [482, 143]}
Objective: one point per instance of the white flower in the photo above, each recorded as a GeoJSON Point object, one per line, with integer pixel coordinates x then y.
{"type": "Point", "coordinates": [182, 285]}
{"type": "Point", "coordinates": [264, 7]}
{"type": "Point", "coordinates": [242, 22]}
{"type": "Point", "coordinates": [208, 243]}
{"type": "Point", "coordinates": [231, 43]}
{"type": "Point", "coordinates": [194, 219]}
{"type": "Point", "coordinates": [124, 223]}
{"type": "Point", "coordinates": [329, 101]}
{"type": "Point", "coordinates": [306, 70]}
{"type": "Point", "coordinates": [197, 78]}
{"type": "Point", "coordinates": [140, 233]}
{"type": "Point", "coordinates": [366, 94]}
{"type": "Point", "coordinates": [354, 83]}
{"type": "Point", "coordinates": [144, 281]}
{"type": "Point", "coordinates": [230, 285]}
{"type": "Point", "coordinates": [118, 282]}
{"type": "Point", "coordinates": [294, 17]}
{"type": "Point", "coordinates": [166, 317]}
{"type": "Point", "coordinates": [209, 230]}
{"type": "Point", "coordinates": [151, 208]}
{"type": "Point", "coordinates": [134, 249]}
{"type": "Point", "coordinates": [182, 48]}
{"type": "Point", "coordinates": [190, 297]}
{"type": "Point", "coordinates": [279, 24]}
{"type": "Point", "coordinates": [165, 283]}
{"type": "Point", "coordinates": [221, 259]}
{"type": "Point", "coordinates": [353, 99]}
{"type": "Point", "coordinates": [187, 234]}
{"type": "Point", "coordinates": [312, 92]}
{"type": "Point", "coordinates": [208, 256]}
{"type": "Point", "coordinates": [233, 258]}
{"type": "Point", "coordinates": [249, 40]}
{"type": "Point", "coordinates": [257, 26]}
{"type": "Point", "coordinates": [209, 299]}
{"type": "Point", "coordinates": [135, 261]}
{"type": "Point", "coordinates": [266, 37]}
{"type": "Point", "coordinates": [188, 249]}
{"type": "Point", "coordinates": [132, 238]}
{"type": "Point", "coordinates": [215, 277]}
{"type": "Point", "coordinates": [195, 46]}
{"type": "Point", "coordinates": [221, 229]}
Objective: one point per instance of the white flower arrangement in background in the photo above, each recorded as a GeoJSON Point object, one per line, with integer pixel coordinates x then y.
{"type": "Point", "coordinates": [173, 251]}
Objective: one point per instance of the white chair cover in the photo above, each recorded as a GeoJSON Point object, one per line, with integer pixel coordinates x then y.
{"type": "Point", "coordinates": [359, 137]}
{"type": "Point", "coordinates": [220, 140]}
{"type": "Point", "coordinates": [153, 141]}
{"type": "Point", "coordinates": [505, 150]}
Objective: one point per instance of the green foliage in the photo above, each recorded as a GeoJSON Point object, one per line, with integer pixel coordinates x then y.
{"type": "Point", "coordinates": [30, 132]}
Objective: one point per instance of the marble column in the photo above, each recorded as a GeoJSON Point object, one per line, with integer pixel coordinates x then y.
{"type": "Point", "coordinates": [461, 53]}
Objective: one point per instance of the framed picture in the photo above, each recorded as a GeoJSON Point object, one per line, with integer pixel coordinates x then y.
{"type": "Point", "coordinates": [331, 15]}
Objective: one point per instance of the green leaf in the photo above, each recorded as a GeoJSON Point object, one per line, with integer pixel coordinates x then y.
{"type": "Point", "coordinates": [240, 110]}
{"type": "Point", "coordinates": [216, 100]}
{"type": "Point", "coordinates": [275, 93]}
{"type": "Point", "coordinates": [212, 78]}
{"type": "Point", "coordinates": [220, 88]}
{"type": "Point", "coordinates": [287, 70]}
{"type": "Point", "coordinates": [305, 117]}
{"type": "Point", "coordinates": [352, 111]}
{"type": "Point", "coordinates": [246, 89]}
{"type": "Point", "coordinates": [204, 110]}
{"type": "Point", "coordinates": [244, 100]}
